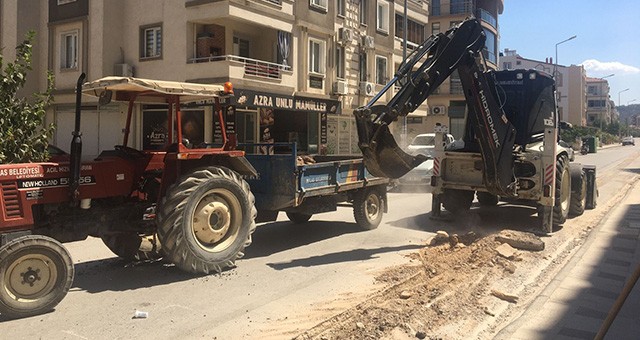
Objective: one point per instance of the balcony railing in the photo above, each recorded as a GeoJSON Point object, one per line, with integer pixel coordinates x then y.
{"type": "Point", "coordinates": [252, 67]}
{"type": "Point", "coordinates": [487, 17]}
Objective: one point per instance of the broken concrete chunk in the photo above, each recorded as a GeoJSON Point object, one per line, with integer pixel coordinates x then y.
{"type": "Point", "coordinates": [442, 235]}
{"type": "Point", "coordinates": [521, 240]}
{"type": "Point", "coordinates": [506, 251]}
{"type": "Point", "coordinates": [504, 296]}
{"type": "Point", "coordinates": [405, 294]}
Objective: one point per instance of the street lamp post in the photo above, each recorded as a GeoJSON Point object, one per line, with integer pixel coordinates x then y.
{"type": "Point", "coordinates": [611, 75]}
{"type": "Point", "coordinates": [555, 65]}
{"type": "Point", "coordinates": [627, 89]}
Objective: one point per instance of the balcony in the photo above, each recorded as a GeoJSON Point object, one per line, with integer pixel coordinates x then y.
{"type": "Point", "coordinates": [487, 17]}
{"type": "Point", "coordinates": [241, 66]}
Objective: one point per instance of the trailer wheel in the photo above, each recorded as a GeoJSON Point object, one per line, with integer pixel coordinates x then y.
{"type": "Point", "coordinates": [36, 272]}
{"type": "Point", "coordinates": [298, 218]}
{"type": "Point", "coordinates": [128, 246]}
{"type": "Point", "coordinates": [563, 191]}
{"type": "Point", "coordinates": [487, 199]}
{"type": "Point", "coordinates": [368, 208]}
{"type": "Point", "coordinates": [578, 191]}
{"type": "Point", "coordinates": [456, 201]}
{"type": "Point", "coordinates": [206, 220]}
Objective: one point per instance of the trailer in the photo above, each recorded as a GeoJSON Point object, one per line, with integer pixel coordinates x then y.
{"type": "Point", "coordinates": [302, 186]}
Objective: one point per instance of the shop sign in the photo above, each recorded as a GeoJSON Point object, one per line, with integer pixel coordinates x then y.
{"type": "Point", "coordinates": [253, 99]}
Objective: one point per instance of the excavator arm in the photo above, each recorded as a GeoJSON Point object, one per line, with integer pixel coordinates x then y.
{"type": "Point", "coordinates": [418, 76]}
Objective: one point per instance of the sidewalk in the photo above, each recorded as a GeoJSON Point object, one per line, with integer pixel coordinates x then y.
{"type": "Point", "coordinates": [576, 302]}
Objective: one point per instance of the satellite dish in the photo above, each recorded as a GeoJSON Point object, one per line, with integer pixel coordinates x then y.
{"type": "Point", "coordinates": [105, 97]}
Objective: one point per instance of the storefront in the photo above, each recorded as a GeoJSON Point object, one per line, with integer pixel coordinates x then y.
{"type": "Point", "coordinates": [275, 118]}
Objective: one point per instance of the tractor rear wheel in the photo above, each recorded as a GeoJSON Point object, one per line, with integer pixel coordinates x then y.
{"type": "Point", "coordinates": [36, 273]}
{"type": "Point", "coordinates": [206, 220]}
{"type": "Point", "coordinates": [129, 246]}
{"type": "Point", "coordinates": [298, 218]}
{"type": "Point", "coordinates": [456, 201]}
{"type": "Point", "coordinates": [562, 192]}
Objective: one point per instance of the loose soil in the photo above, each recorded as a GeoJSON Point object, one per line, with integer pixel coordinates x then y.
{"type": "Point", "coordinates": [460, 288]}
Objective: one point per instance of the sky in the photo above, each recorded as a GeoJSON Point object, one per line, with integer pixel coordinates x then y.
{"type": "Point", "coordinates": [607, 42]}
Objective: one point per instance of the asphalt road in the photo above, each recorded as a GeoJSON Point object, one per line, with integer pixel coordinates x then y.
{"type": "Point", "coordinates": [292, 277]}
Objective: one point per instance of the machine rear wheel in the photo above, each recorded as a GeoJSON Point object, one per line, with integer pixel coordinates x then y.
{"type": "Point", "coordinates": [368, 208]}
{"type": "Point", "coordinates": [563, 191]}
{"type": "Point", "coordinates": [487, 199]}
{"type": "Point", "coordinates": [578, 192]}
{"type": "Point", "coordinates": [456, 201]}
{"type": "Point", "coordinates": [206, 220]}
{"type": "Point", "coordinates": [36, 272]}
{"type": "Point", "coordinates": [298, 218]}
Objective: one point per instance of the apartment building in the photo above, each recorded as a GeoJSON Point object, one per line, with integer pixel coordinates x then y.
{"type": "Point", "coordinates": [600, 108]}
{"type": "Point", "coordinates": [299, 68]}
{"type": "Point", "coordinates": [447, 106]}
{"type": "Point", "coordinates": [571, 84]}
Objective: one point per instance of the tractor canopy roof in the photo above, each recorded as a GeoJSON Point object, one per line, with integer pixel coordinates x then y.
{"type": "Point", "coordinates": [151, 91]}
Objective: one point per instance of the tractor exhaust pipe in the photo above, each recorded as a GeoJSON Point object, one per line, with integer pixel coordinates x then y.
{"type": "Point", "coordinates": [76, 147]}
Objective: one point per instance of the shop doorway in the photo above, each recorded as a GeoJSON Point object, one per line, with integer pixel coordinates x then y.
{"type": "Point", "coordinates": [247, 127]}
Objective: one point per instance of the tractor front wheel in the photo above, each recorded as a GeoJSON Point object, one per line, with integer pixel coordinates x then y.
{"type": "Point", "coordinates": [36, 272]}
{"type": "Point", "coordinates": [206, 220]}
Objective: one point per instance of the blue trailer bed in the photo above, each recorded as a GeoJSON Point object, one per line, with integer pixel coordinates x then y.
{"type": "Point", "coordinates": [286, 183]}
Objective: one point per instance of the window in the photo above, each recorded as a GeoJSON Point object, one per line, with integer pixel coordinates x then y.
{"type": "Point", "coordinates": [381, 70]}
{"type": "Point", "coordinates": [316, 56]}
{"type": "Point", "coordinates": [435, 7]}
{"type": "Point", "coordinates": [506, 66]}
{"type": "Point", "coordinates": [490, 46]}
{"type": "Point", "coordinates": [340, 62]}
{"type": "Point", "coordinates": [435, 28]}
{"type": "Point", "coordinates": [382, 22]}
{"type": "Point", "coordinates": [415, 33]}
{"type": "Point", "coordinates": [363, 12]}
{"type": "Point", "coordinates": [362, 66]}
{"type": "Point", "coordinates": [69, 50]}
{"type": "Point", "coordinates": [152, 42]}
{"type": "Point", "coordinates": [341, 8]}
{"type": "Point", "coordinates": [592, 89]}
{"type": "Point", "coordinates": [241, 47]}
{"type": "Point", "coordinates": [518, 62]}
{"type": "Point", "coordinates": [62, 2]}
{"type": "Point", "coordinates": [321, 4]}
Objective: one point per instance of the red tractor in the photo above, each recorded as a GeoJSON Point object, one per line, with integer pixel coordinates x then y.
{"type": "Point", "coordinates": [194, 199]}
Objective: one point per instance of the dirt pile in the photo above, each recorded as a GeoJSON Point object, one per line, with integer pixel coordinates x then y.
{"type": "Point", "coordinates": [447, 290]}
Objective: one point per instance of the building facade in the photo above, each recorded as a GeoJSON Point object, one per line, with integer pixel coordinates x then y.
{"type": "Point", "coordinates": [570, 84]}
{"type": "Point", "coordinates": [447, 105]}
{"type": "Point", "coordinates": [600, 107]}
{"type": "Point", "coordinates": [299, 68]}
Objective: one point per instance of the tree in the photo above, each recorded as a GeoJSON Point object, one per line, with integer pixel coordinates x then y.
{"type": "Point", "coordinates": [24, 137]}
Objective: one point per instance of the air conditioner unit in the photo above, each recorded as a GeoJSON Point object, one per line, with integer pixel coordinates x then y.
{"type": "Point", "coordinates": [366, 88]}
{"type": "Point", "coordinates": [437, 110]}
{"type": "Point", "coordinates": [368, 42]}
{"type": "Point", "coordinates": [345, 35]}
{"type": "Point", "coordinates": [123, 70]}
{"type": "Point", "coordinates": [340, 87]}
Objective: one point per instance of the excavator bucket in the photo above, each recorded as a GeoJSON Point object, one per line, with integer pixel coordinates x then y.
{"type": "Point", "coordinates": [382, 155]}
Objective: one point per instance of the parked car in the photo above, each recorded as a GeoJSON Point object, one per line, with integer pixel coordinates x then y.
{"type": "Point", "coordinates": [425, 142]}
{"type": "Point", "coordinates": [628, 141]}
{"type": "Point", "coordinates": [418, 179]}
{"type": "Point", "coordinates": [569, 149]}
